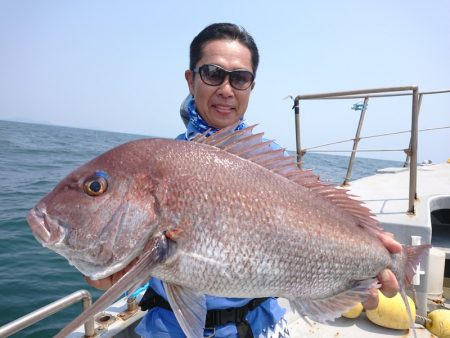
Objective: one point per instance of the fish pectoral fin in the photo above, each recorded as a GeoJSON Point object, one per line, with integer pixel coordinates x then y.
{"type": "Point", "coordinates": [330, 308]}
{"type": "Point", "coordinates": [189, 308]}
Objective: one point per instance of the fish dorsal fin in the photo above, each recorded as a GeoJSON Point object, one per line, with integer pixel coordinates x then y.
{"type": "Point", "coordinates": [255, 148]}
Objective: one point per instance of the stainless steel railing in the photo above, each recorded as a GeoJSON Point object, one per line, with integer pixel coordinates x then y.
{"type": "Point", "coordinates": [50, 309]}
{"type": "Point", "coordinates": [411, 151]}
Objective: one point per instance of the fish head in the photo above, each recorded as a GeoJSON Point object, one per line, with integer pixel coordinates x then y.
{"type": "Point", "coordinates": [101, 215]}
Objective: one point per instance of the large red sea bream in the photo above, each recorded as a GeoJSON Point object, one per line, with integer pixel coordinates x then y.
{"type": "Point", "coordinates": [224, 215]}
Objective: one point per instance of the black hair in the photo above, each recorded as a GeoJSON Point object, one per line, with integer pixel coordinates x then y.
{"type": "Point", "coordinates": [222, 31]}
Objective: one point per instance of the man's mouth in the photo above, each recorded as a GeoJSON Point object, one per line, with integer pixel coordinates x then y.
{"type": "Point", "coordinates": [223, 109]}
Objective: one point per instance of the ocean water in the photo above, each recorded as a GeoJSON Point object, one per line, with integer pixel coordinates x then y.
{"type": "Point", "coordinates": [33, 158]}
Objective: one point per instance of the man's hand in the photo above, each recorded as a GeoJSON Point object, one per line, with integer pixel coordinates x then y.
{"type": "Point", "coordinates": [389, 284]}
{"type": "Point", "coordinates": [106, 283]}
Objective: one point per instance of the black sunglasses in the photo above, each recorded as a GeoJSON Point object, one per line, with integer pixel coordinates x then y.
{"type": "Point", "coordinates": [214, 75]}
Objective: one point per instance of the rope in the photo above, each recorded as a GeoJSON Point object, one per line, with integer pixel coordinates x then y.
{"type": "Point", "coordinates": [353, 151]}
{"type": "Point", "coordinates": [425, 319]}
{"type": "Point", "coordinates": [366, 137]}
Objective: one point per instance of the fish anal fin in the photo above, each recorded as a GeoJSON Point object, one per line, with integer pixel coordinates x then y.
{"type": "Point", "coordinates": [189, 308]}
{"type": "Point", "coordinates": [330, 308]}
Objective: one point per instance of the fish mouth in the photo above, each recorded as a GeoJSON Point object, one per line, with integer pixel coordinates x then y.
{"type": "Point", "coordinates": [46, 230]}
{"type": "Point", "coordinates": [54, 233]}
{"type": "Point", "coordinates": [51, 234]}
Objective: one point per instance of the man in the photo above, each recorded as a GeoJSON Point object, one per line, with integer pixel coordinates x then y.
{"type": "Point", "coordinates": [223, 63]}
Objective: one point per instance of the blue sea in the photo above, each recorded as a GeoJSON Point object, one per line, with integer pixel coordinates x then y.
{"type": "Point", "coordinates": [33, 158]}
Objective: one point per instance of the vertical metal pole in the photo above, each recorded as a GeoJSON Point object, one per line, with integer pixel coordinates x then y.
{"type": "Point", "coordinates": [89, 326]}
{"type": "Point", "coordinates": [355, 143]}
{"type": "Point", "coordinates": [406, 164]}
{"type": "Point", "coordinates": [297, 132]}
{"type": "Point", "coordinates": [414, 142]}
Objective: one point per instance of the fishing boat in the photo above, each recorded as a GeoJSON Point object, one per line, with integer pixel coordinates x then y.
{"type": "Point", "coordinates": [411, 201]}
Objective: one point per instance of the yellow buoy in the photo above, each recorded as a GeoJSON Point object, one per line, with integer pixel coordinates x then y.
{"type": "Point", "coordinates": [391, 312]}
{"type": "Point", "coordinates": [354, 312]}
{"type": "Point", "coordinates": [440, 323]}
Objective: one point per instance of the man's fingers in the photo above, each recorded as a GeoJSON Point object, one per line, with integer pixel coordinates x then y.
{"type": "Point", "coordinates": [389, 287]}
{"type": "Point", "coordinates": [389, 284]}
{"type": "Point", "coordinates": [101, 284]}
{"type": "Point", "coordinates": [106, 283]}
{"type": "Point", "coordinates": [371, 302]}
{"type": "Point", "coordinates": [390, 243]}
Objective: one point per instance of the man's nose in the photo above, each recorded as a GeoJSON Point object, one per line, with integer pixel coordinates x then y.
{"type": "Point", "coordinates": [225, 88]}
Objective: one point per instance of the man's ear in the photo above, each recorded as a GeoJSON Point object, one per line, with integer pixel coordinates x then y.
{"type": "Point", "coordinates": [253, 85]}
{"type": "Point", "coordinates": [189, 76]}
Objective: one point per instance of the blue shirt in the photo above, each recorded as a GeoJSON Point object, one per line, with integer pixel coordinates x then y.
{"type": "Point", "coordinates": [159, 322]}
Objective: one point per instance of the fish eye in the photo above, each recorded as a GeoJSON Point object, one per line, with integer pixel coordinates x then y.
{"type": "Point", "coordinates": [95, 186]}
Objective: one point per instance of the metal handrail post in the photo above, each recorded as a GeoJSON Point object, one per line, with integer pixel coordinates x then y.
{"type": "Point", "coordinates": [297, 132]}
{"type": "Point", "coordinates": [355, 143]}
{"type": "Point", "coordinates": [413, 150]}
{"type": "Point", "coordinates": [89, 326]}
{"type": "Point", "coordinates": [50, 309]}
{"type": "Point", "coordinates": [406, 164]}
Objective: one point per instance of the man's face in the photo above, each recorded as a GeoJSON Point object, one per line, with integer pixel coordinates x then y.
{"type": "Point", "coordinates": [221, 106]}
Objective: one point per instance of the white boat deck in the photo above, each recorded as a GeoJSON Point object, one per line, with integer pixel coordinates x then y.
{"type": "Point", "coordinates": [386, 194]}
{"type": "Point", "coordinates": [344, 327]}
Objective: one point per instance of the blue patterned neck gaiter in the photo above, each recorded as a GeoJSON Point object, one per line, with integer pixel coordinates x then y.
{"type": "Point", "coordinates": [200, 125]}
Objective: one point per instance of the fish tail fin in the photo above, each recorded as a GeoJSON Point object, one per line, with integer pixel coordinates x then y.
{"type": "Point", "coordinates": [410, 258]}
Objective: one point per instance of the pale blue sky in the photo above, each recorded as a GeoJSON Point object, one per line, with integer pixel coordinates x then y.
{"type": "Point", "coordinates": [119, 65]}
